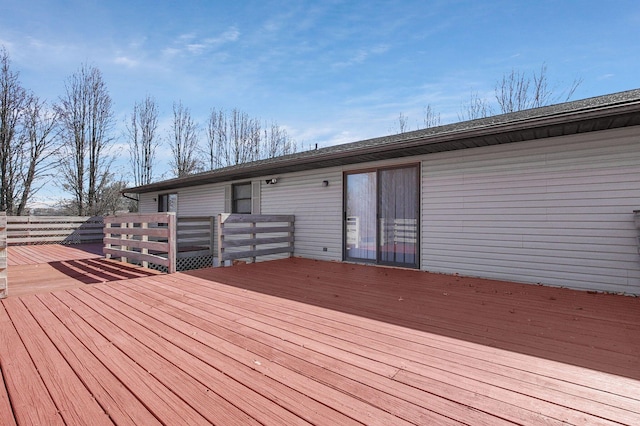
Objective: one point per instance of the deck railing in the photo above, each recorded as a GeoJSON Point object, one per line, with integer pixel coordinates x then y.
{"type": "Point", "coordinates": [247, 236]}
{"type": "Point", "coordinates": [196, 235]}
{"type": "Point", "coordinates": [4, 285]}
{"type": "Point", "coordinates": [142, 238]}
{"type": "Point", "coordinates": [53, 229]}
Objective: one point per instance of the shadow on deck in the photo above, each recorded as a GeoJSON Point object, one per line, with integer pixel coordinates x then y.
{"type": "Point", "coordinates": [45, 268]}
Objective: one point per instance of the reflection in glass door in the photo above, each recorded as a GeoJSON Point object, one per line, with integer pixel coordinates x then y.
{"type": "Point", "coordinates": [381, 216]}
{"type": "Point", "coordinates": [361, 216]}
{"type": "Point", "coordinates": [398, 207]}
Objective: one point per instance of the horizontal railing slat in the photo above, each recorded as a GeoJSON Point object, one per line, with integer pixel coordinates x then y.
{"type": "Point", "coordinates": [136, 256]}
{"type": "Point", "coordinates": [257, 230]}
{"type": "Point", "coordinates": [255, 253]}
{"type": "Point", "coordinates": [149, 245]}
{"type": "Point", "coordinates": [53, 229]}
{"type": "Point", "coordinates": [134, 231]}
{"type": "Point", "coordinates": [249, 218]}
{"type": "Point", "coordinates": [256, 241]}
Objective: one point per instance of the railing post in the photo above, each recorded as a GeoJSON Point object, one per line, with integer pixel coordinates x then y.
{"type": "Point", "coordinates": [252, 235]}
{"type": "Point", "coordinates": [212, 234]}
{"type": "Point", "coordinates": [292, 235]}
{"type": "Point", "coordinates": [220, 240]}
{"type": "Point", "coordinates": [145, 237]}
{"type": "Point", "coordinates": [123, 243]}
{"type": "Point", "coordinates": [107, 234]}
{"type": "Point", "coordinates": [173, 243]}
{"type": "Point", "coordinates": [4, 284]}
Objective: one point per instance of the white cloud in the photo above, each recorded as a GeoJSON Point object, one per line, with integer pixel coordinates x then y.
{"type": "Point", "coordinates": [362, 55]}
{"type": "Point", "coordinates": [190, 43]}
{"type": "Point", "coordinates": [128, 62]}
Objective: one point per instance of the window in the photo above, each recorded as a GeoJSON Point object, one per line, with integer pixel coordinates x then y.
{"type": "Point", "coordinates": [168, 203]}
{"type": "Point", "coordinates": [242, 198]}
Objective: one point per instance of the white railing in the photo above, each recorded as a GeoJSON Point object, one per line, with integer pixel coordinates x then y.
{"type": "Point", "coordinates": [53, 229]}
{"type": "Point", "coordinates": [142, 238]}
{"type": "Point", "coordinates": [397, 231]}
{"type": "Point", "coordinates": [248, 236]}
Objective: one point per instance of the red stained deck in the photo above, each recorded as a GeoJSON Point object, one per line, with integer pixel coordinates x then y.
{"type": "Point", "coordinates": [305, 342]}
{"type": "Point", "coordinates": [52, 267]}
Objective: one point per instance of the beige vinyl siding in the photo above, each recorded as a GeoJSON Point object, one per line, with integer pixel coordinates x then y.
{"type": "Point", "coordinates": [203, 200]}
{"type": "Point", "coordinates": [318, 210]}
{"type": "Point", "coordinates": [147, 204]}
{"type": "Point", "coordinates": [556, 212]}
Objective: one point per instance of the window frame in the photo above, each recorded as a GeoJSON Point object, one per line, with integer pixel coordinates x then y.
{"type": "Point", "coordinates": [235, 200]}
{"type": "Point", "coordinates": [162, 204]}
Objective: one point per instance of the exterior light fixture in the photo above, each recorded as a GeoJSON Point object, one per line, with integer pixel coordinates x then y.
{"type": "Point", "coordinates": [271, 181]}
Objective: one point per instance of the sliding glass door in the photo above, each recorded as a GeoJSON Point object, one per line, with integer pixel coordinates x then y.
{"type": "Point", "coordinates": [360, 217]}
{"type": "Point", "coordinates": [381, 216]}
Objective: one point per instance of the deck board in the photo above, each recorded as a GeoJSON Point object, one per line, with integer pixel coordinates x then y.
{"type": "Point", "coordinates": [297, 341]}
{"type": "Point", "coordinates": [30, 399]}
{"type": "Point", "coordinates": [37, 269]}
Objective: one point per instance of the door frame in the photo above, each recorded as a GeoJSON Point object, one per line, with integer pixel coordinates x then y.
{"type": "Point", "coordinates": [377, 170]}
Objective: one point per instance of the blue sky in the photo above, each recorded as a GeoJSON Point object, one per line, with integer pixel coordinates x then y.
{"type": "Point", "coordinates": [328, 71]}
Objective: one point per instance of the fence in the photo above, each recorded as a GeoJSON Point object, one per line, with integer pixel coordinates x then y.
{"type": "Point", "coordinates": [54, 229]}
{"type": "Point", "coordinates": [4, 285]}
{"type": "Point", "coordinates": [247, 236]}
{"type": "Point", "coordinates": [142, 238]}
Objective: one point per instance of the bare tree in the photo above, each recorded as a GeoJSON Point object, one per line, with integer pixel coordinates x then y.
{"type": "Point", "coordinates": [431, 118]}
{"type": "Point", "coordinates": [216, 139]}
{"type": "Point", "coordinates": [111, 199]}
{"type": "Point", "coordinates": [475, 107]}
{"type": "Point", "coordinates": [39, 148]}
{"type": "Point", "coordinates": [403, 123]}
{"type": "Point", "coordinates": [276, 142]}
{"type": "Point", "coordinates": [184, 142]}
{"type": "Point", "coordinates": [87, 120]}
{"type": "Point", "coordinates": [27, 136]}
{"type": "Point", "coordinates": [13, 101]}
{"type": "Point", "coordinates": [143, 142]}
{"type": "Point", "coordinates": [235, 138]}
{"type": "Point", "coordinates": [517, 90]}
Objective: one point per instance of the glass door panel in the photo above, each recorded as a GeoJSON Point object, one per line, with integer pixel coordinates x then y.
{"type": "Point", "coordinates": [398, 224]}
{"type": "Point", "coordinates": [360, 226]}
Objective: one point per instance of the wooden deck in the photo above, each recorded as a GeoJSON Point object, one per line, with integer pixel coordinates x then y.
{"type": "Point", "coordinates": [52, 267]}
{"type": "Point", "coordinates": [296, 341]}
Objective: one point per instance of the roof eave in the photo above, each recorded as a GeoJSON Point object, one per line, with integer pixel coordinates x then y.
{"type": "Point", "coordinates": [572, 122]}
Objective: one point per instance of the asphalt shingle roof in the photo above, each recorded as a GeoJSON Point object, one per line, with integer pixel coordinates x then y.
{"type": "Point", "coordinates": [598, 113]}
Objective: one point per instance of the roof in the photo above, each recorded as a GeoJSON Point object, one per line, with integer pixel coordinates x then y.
{"type": "Point", "coordinates": [586, 115]}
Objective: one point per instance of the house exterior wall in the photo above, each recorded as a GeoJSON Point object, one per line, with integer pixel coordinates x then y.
{"type": "Point", "coordinates": [555, 211]}
{"type": "Point", "coordinates": [146, 203]}
{"type": "Point", "coordinates": [318, 210]}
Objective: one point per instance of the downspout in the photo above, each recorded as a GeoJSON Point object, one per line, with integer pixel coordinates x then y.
{"type": "Point", "coordinates": [129, 198]}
